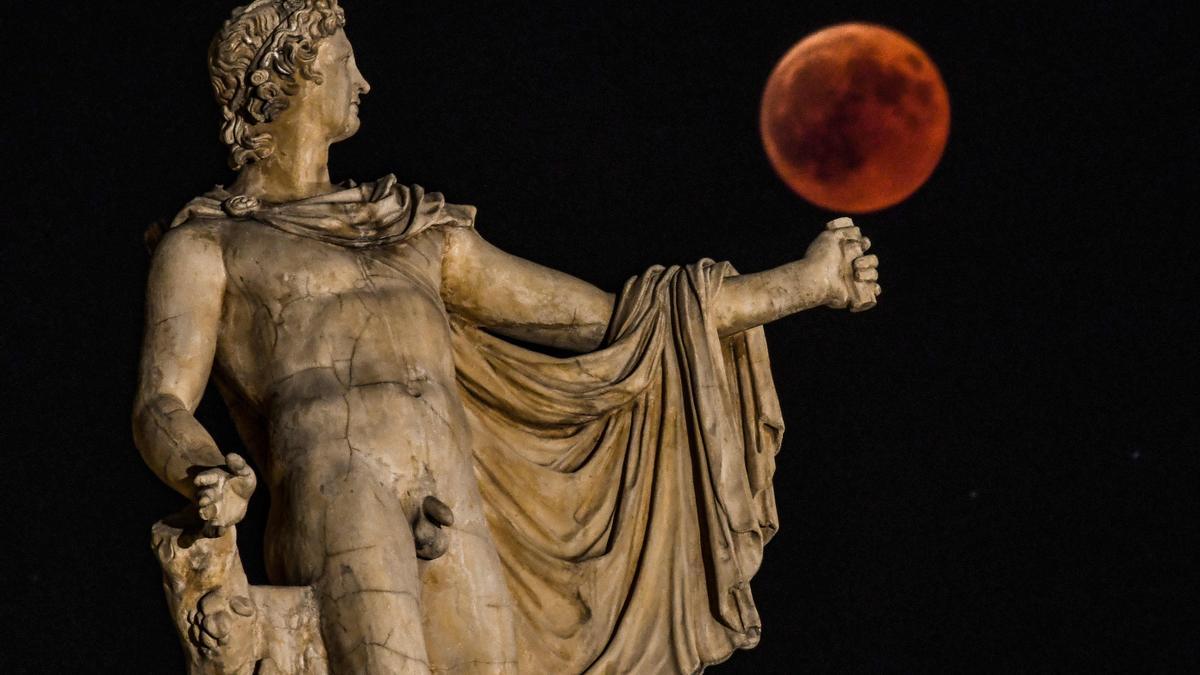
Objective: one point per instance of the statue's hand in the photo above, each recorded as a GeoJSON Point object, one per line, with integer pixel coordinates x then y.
{"type": "Point", "coordinates": [222, 494]}
{"type": "Point", "coordinates": [838, 254]}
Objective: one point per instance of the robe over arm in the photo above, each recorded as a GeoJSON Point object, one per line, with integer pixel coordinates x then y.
{"type": "Point", "coordinates": [629, 489]}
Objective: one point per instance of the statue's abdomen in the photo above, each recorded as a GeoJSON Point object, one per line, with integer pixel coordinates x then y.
{"type": "Point", "coordinates": [352, 368]}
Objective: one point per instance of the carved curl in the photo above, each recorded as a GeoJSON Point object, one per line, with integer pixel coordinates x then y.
{"type": "Point", "coordinates": [254, 62]}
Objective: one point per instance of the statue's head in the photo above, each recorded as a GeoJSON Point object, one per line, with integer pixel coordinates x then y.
{"type": "Point", "coordinates": [284, 62]}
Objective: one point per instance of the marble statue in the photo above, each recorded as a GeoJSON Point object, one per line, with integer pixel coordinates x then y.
{"type": "Point", "coordinates": [443, 500]}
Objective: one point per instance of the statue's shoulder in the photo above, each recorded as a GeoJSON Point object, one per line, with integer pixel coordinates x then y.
{"type": "Point", "coordinates": [185, 258]}
{"type": "Point", "coordinates": [190, 239]}
{"type": "Point", "coordinates": [202, 218]}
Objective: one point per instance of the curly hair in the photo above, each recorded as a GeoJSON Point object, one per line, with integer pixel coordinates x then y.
{"type": "Point", "coordinates": [254, 62]}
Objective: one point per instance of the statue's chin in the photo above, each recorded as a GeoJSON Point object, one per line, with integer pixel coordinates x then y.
{"type": "Point", "coordinates": [351, 129]}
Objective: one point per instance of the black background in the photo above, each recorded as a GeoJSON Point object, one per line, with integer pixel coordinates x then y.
{"type": "Point", "coordinates": [994, 470]}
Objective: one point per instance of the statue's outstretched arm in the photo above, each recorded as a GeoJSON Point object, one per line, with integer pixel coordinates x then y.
{"type": "Point", "coordinates": [527, 301]}
{"type": "Point", "coordinates": [183, 311]}
{"type": "Point", "coordinates": [834, 272]}
{"type": "Point", "coordinates": [519, 298]}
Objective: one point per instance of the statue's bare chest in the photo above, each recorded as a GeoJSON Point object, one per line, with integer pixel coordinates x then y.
{"type": "Point", "coordinates": [280, 269]}
{"type": "Point", "coordinates": [297, 304]}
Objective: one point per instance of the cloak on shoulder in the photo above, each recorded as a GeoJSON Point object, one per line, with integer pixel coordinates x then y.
{"type": "Point", "coordinates": [628, 489]}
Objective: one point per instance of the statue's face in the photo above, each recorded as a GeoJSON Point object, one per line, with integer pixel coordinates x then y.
{"type": "Point", "coordinates": [331, 108]}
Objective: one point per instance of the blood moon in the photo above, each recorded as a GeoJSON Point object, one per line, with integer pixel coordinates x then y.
{"type": "Point", "coordinates": [855, 118]}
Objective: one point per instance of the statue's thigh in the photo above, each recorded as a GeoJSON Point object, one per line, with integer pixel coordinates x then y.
{"type": "Point", "coordinates": [467, 609]}
{"type": "Point", "coordinates": [369, 588]}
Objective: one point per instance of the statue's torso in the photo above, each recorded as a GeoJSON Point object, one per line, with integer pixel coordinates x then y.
{"type": "Point", "coordinates": [346, 353]}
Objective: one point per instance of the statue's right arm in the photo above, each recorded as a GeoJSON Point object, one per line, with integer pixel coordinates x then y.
{"type": "Point", "coordinates": [183, 311]}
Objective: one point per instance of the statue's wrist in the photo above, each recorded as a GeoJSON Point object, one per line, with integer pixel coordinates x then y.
{"type": "Point", "coordinates": [835, 293]}
{"type": "Point", "coordinates": [202, 457]}
{"type": "Point", "coordinates": [824, 289]}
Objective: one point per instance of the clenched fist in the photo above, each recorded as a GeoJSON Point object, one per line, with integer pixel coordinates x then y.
{"type": "Point", "coordinates": [839, 255]}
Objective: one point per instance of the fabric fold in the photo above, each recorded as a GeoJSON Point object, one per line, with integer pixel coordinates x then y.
{"type": "Point", "coordinates": [372, 214]}
{"type": "Point", "coordinates": [629, 489]}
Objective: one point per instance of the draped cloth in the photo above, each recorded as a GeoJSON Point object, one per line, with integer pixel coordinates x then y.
{"type": "Point", "coordinates": [376, 213]}
{"type": "Point", "coordinates": [629, 489]}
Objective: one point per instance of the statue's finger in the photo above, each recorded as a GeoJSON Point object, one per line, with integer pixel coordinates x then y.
{"type": "Point", "coordinates": [205, 499]}
{"type": "Point", "coordinates": [866, 274]}
{"type": "Point", "coordinates": [863, 262]}
{"type": "Point", "coordinates": [851, 248]}
{"type": "Point", "coordinates": [207, 478]}
{"type": "Point", "coordinates": [863, 298]}
{"type": "Point", "coordinates": [866, 244]}
{"type": "Point", "coordinates": [236, 464]}
{"type": "Point", "coordinates": [839, 223]}
{"type": "Point", "coordinates": [850, 233]}
{"type": "Point", "coordinates": [208, 511]}
{"type": "Point", "coordinates": [878, 290]}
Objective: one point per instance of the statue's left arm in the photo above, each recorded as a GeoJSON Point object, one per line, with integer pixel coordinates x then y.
{"type": "Point", "coordinates": [527, 301]}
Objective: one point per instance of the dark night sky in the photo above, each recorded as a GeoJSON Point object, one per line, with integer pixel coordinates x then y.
{"type": "Point", "coordinates": [994, 470]}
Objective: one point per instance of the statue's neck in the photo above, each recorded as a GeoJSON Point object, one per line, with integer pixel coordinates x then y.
{"type": "Point", "coordinates": [293, 171]}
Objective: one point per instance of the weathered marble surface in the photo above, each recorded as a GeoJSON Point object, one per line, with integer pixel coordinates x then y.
{"type": "Point", "coordinates": [443, 501]}
{"type": "Point", "coordinates": [227, 625]}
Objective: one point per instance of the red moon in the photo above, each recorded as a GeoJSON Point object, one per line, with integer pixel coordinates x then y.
{"type": "Point", "coordinates": [855, 118]}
